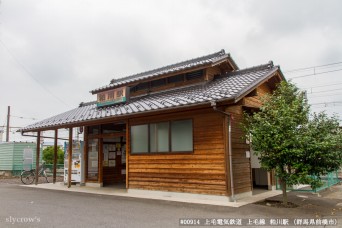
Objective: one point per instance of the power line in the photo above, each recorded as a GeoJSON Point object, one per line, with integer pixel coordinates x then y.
{"type": "Point", "coordinates": [313, 67]}
{"type": "Point", "coordinates": [31, 75]}
{"type": "Point", "coordinates": [326, 103]}
{"type": "Point", "coordinates": [309, 75]}
{"type": "Point", "coordinates": [21, 117]}
{"type": "Point", "coordinates": [326, 95]}
{"type": "Point", "coordinates": [311, 87]}
{"type": "Point", "coordinates": [4, 126]}
{"type": "Point", "coordinates": [325, 91]}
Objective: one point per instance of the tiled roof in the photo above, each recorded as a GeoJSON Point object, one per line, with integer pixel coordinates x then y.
{"type": "Point", "coordinates": [231, 86]}
{"type": "Point", "coordinates": [192, 63]}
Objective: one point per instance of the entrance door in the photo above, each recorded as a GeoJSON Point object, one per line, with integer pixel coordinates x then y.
{"type": "Point", "coordinates": [106, 153]}
{"type": "Point", "coordinates": [260, 177]}
{"type": "Point", "coordinates": [114, 160]}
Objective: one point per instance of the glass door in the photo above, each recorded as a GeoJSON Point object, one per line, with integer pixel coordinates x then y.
{"type": "Point", "coordinates": [93, 159]}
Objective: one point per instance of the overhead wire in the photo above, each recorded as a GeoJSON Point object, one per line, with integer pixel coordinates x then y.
{"type": "Point", "coordinates": [314, 74]}
{"type": "Point", "coordinates": [31, 74]}
{"type": "Point", "coordinates": [311, 87]}
{"type": "Point", "coordinates": [326, 95]}
{"type": "Point", "coordinates": [313, 67]}
{"type": "Point", "coordinates": [324, 91]}
{"type": "Point", "coordinates": [312, 94]}
{"type": "Point", "coordinates": [329, 102]}
{"type": "Point", "coordinates": [22, 117]}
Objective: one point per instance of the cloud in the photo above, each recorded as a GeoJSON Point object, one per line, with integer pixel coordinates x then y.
{"type": "Point", "coordinates": [72, 47]}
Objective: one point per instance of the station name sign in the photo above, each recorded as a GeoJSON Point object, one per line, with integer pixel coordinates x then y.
{"type": "Point", "coordinates": [114, 96]}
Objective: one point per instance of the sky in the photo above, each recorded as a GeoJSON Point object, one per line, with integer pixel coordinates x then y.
{"type": "Point", "coordinates": [52, 53]}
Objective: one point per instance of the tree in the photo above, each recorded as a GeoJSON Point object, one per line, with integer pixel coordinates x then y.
{"type": "Point", "coordinates": [48, 155]}
{"type": "Point", "coordinates": [286, 140]}
{"type": "Point", "coordinates": [321, 153]}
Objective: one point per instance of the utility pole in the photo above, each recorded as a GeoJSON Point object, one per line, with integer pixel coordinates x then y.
{"type": "Point", "coordinates": [8, 123]}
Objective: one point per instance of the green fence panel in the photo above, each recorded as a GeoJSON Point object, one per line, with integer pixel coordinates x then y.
{"type": "Point", "coordinates": [328, 180]}
{"type": "Point", "coordinates": [17, 169]}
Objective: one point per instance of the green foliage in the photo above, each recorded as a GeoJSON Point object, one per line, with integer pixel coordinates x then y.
{"type": "Point", "coordinates": [48, 155]}
{"type": "Point", "coordinates": [300, 149]}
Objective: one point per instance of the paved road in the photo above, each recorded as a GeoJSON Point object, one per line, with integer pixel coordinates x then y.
{"type": "Point", "coordinates": [47, 208]}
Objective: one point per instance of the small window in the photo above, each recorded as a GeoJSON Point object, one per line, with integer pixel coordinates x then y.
{"type": "Point", "coordinates": [194, 75]}
{"type": "Point", "coordinates": [139, 138]}
{"type": "Point", "coordinates": [94, 130]}
{"type": "Point", "coordinates": [177, 78]}
{"type": "Point", "coordinates": [142, 86]}
{"type": "Point", "coordinates": [159, 82]}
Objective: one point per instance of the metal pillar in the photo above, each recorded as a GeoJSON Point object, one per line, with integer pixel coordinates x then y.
{"type": "Point", "coordinates": [37, 158]}
{"type": "Point", "coordinates": [69, 157]}
{"type": "Point", "coordinates": [8, 123]}
{"type": "Point", "coordinates": [55, 157]}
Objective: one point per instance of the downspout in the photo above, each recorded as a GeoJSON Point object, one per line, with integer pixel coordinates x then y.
{"type": "Point", "coordinates": [213, 104]}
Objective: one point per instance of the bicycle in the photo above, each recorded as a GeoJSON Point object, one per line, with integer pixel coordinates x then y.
{"type": "Point", "coordinates": [28, 176]}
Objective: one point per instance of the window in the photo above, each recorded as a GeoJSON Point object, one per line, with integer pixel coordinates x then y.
{"type": "Point", "coordinates": [93, 130]}
{"type": "Point", "coordinates": [141, 86]}
{"type": "Point", "coordinates": [139, 139]}
{"type": "Point", "coordinates": [159, 137]}
{"type": "Point", "coordinates": [159, 82]}
{"type": "Point", "coordinates": [194, 75]}
{"type": "Point", "coordinates": [177, 78]}
{"type": "Point", "coordinates": [163, 137]}
{"type": "Point", "coordinates": [93, 159]}
{"type": "Point", "coordinates": [181, 134]}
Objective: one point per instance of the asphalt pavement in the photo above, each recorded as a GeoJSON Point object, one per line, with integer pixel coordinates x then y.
{"type": "Point", "coordinates": [31, 207]}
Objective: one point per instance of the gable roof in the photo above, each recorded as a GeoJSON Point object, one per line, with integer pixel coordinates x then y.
{"type": "Point", "coordinates": [231, 86]}
{"type": "Point", "coordinates": [206, 60]}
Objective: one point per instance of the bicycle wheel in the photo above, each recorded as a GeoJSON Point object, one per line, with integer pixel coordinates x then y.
{"type": "Point", "coordinates": [27, 177]}
{"type": "Point", "coordinates": [46, 177]}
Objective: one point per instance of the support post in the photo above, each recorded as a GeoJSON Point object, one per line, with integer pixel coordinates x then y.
{"type": "Point", "coordinates": [37, 158]}
{"type": "Point", "coordinates": [100, 164]}
{"type": "Point", "coordinates": [55, 157]}
{"type": "Point", "coordinates": [128, 141]}
{"type": "Point", "coordinates": [8, 123]}
{"type": "Point", "coordinates": [69, 157]}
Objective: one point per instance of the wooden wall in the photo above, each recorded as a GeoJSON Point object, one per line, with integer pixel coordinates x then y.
{"type": "Point", "coordinates": [242, 175]}
{"type": "Point", "coordinates": [205, 170]}
{"type": "Point", "coordinates": [211, 72]}
{"type": "Point", "coordinates": [255, 101]}
{"type": "Point", "coordinates": [202, 171]}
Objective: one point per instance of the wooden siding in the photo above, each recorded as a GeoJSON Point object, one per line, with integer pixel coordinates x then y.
{"type": "Point", "coordinates": [255, 101]}
{"type": "Point", "coordinates": [242, 173]}
{"type": "Point", "coordinates": [241, 165]}
{"type": "Point", "coordinates": [202, 171]}
{"type": "Point", "coordinates": [211, 72]}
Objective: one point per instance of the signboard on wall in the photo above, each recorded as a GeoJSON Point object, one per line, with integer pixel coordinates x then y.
{"type": "Point", "coordinates": [114, 96]}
